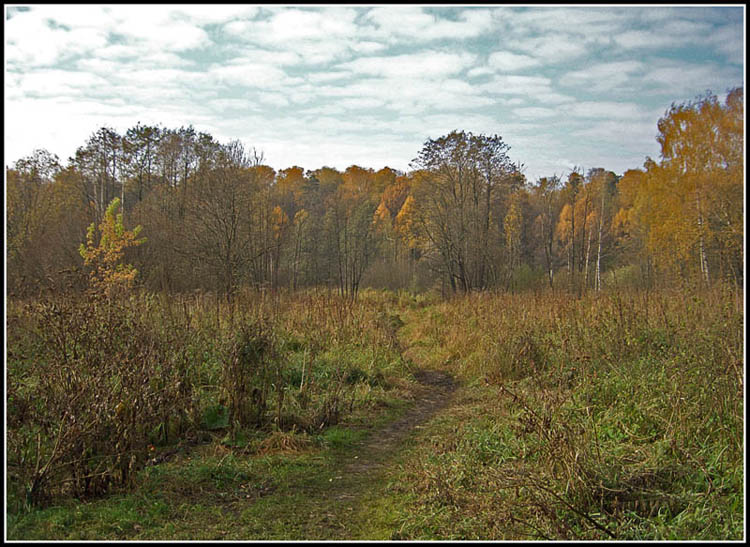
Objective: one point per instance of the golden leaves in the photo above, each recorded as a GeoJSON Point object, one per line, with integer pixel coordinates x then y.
{"type": "Point", "coordinates": [107, 273]}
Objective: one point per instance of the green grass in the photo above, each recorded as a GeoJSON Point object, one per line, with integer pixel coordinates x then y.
{"type": "Point", "coordinates": [613, 416]}
{"type": "Point", "coordinates": [591, 419]}
{"type": "Point", "coordinates": [215, 491]}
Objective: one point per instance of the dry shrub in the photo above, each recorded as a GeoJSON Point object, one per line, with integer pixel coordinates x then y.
{"type": "Point", "coordinates": [104, 388]}
{"type": "Point", "coordinates": [284, 442]}
{"type": "Point", "coordinates": [248, 374]}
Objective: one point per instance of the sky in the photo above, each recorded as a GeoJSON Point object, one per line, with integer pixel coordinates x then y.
{"type": "Point", "coordinates": [336, 85]}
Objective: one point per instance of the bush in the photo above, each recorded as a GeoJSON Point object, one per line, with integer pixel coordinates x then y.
{"type": "Point", "coordinates": [249, 374]}
{"type": "Point", "coordinates": [105, 386]}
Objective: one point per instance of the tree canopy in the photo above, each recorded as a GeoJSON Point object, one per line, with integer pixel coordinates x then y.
{"type": "Point", "coordinates": [463, 218]}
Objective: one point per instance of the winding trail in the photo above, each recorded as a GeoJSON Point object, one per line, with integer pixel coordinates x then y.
{"type": "Point", "coordinates": [362, 481]}
{"type": "Point", "coordinates": [434, 393]}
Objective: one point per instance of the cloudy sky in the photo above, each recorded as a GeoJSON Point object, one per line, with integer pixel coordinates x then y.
{"type": "Point", "coordinates": [342, 85]}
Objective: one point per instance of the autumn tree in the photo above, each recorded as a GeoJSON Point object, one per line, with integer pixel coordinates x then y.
{"type": "Point", "coordinates": [216, 230]}
{"type": "Point", "coordinates": [547, 195]}
{"type": "Point", "coordinates": [458, 177]}
{"type": "Point", "coordinates": [700, 149]}
{"type": "Point", "coordinates": [513, 225]}
{"type": "Point", "coordinates": [384, 178]}
{"type": "Point", "coordinates": [165, 263]}
{"type": "Point", "coordinates": [566, 226]}
{"type": "Point", "coordinates": [349, 223]}
{"type": "Point", "coordinates": [98, 164]}
{"type": "Point", "coordinates": [689, 205]}
{"type": "Point", "coordinates": [139, 157]}
{"type": "Point", "coordinates": [630, 224]}
{"type": "Point", "coordinates": [319, 253]}
{"type": "Point", "coordinates": [300, 230]}
{"type": "Point", "coordinates": [290, 184]}
{"type": "Point", "coordinates": [104, 250]}
{"type": "Point", "coordinates": [28, 206]}
{"type": "Point", "coordinates": [603, 186]}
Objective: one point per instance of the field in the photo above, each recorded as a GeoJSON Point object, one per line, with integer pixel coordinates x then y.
{"type": "Point", "coordinates": [537, 415]}
{"type": "Point", "coordinates": [292, 309]}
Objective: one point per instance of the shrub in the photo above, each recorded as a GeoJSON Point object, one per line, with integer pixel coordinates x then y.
{"type": "Point", "coordinates": [103, 389]}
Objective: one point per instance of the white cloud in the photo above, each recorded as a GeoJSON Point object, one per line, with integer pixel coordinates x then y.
{"type": "Point", "coordinates": [429, 64]}
{"type": "Point", "coordinates": [517, 85]}
{"type": "Point", "coordinates": [416, 95]}
{"type": "Point", "coordinates": [367, 47]}
{"type": "Point", "coordinates": [31, 41]}
{"type": "Point", "coordinates": [295, 24]}
{"type": "Point", "coordinates": [677, 79]}
{"type": "Point", "coordinates": [510, 62]}
{"type": "Point", "coordinates": [222, 105]}
{"type": "Point", "coordinates": [251, 55]}
{"type": "Point", "coordinates": [359, 102]}
{"type": "Point", "coordinates": [603, 77]}
{"type": "Point", "coordinates": [251, 75]}
{"type": "Point", "coordinates": [534, 112]}
{"type": "Point", "coordinates": [302, 80]}
{"type": "Point", "coordinates": [205, 14]}
{"type": "Point", "coordinates": [728, 41]}
{"type": "Point", "coordinates": [552, 97]}
{"type": "Point", "coordinates": [604, 109]}
{"type": "Point", "coordinates": [73, 15]}
{"type": "Point", "coordinates": [318, 77]}
{"type": "Point", "coordinates": [177, 36]}
{"type": "Point", "coordinates": [316, 37]}
{"type": "Point", "coordinates": [118, 52]}
{"type": "Point", "coordinates": [552, 49]}
{"type": "Point", "coordinates": [479, 71]}
{"type": "Point", "coordinates": [413, 23]}
{"type": "Point", "coordinates": [620, 131]}
{"type": "Point", "coordinates": [45, 35]}
{"type": "Point", "coordinates": [573, 21]}
{"type": "Point", "coordinates": [651, 39]}
{"type": "Point", "coordinates": [55, 83]}
{"type": "Point", "coordinates": [272, 99]}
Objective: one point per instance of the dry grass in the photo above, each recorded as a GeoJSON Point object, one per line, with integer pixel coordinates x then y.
{"type": "Point", "coordinates": [281, 442]}
{"type": "Point", "coordinates": [618, 415]}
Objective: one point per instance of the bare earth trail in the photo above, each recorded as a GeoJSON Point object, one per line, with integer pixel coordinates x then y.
{"type": "Point", "coordinates": [352, 504]}
{"type": "Point", "coordinates": [434, 393]}
{"type": "Point", "coordinates": [348, 507]}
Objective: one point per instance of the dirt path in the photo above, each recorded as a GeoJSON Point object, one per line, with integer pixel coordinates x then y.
{"type": "Point", "coordinates": [434, 393]}
{"type": "Point", "coordinates": [377, 452]}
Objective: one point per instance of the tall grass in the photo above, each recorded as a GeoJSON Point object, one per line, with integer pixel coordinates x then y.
{"type": "Point", "coordinates": [96, 385]}
{"type": "Point", "coordinates": [620, 414]}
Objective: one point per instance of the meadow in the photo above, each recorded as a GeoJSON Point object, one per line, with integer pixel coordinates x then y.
{"type": "Point", "coordinates": [616, 415]}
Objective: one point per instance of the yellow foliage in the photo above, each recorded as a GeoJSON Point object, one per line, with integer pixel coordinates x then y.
{"type": "Point", "coordinates": [406, 224]}
{"type": "Point", "coordinates": [279, 221]}
{"type": "Point", "coordinates": [382, 215]}
{"type": "Point", "coordinates": [107, 273]}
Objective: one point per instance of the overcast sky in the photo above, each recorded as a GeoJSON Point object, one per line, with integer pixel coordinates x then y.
{"type": "Point", "coordinates": [336, 86]}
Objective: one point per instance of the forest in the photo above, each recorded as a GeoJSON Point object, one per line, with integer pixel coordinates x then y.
{"type": "Point", "coordinates": [464, 218]}
{"type": "Point", "coordinates": [201, 347]}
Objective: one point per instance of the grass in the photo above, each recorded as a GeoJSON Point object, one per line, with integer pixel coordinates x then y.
{"type": "Point", "coordinates": [614, 416]}
{"type": "Point", "coordinates": [218, 492]}
{"type": "Point", "coordinates": [610, 417]}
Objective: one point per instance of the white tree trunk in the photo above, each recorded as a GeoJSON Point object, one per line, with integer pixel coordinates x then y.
{"type": "Point", "coordinates": [702, 248]}
{"type": "Point", "coordinates": [599, 249]}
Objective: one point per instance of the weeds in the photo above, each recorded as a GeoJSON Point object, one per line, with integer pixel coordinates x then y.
{"type": "Point", "coordinates": [93, 382]}
{"type": "Point", "coordinates": [103, 388]}
{"type": "Point", "coordinates": [613, 416]}
{"type": "Point", "coordinates": [624, 413]}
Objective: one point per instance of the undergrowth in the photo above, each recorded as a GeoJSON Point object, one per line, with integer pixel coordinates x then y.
{"type": "Point", "coordinates": [612, 416]}
{"type": "Point", "coordinates": [98, 386]}
{"type": "Point", "coordinates": [616, 416]}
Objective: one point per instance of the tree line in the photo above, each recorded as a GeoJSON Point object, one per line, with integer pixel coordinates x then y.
{"type": "Point", "coordinates": [463, 218]}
